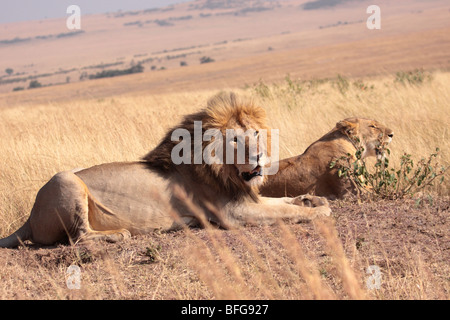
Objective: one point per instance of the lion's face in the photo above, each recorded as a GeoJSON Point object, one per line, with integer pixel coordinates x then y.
{"type": "Point", "coordinates": [245, 136]}
{"type": "Point", "coordinates": [249, 154]}
{"type": "Point", "coordinates": [372, 135]}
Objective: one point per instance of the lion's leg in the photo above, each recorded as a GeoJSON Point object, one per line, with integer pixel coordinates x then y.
{"type": "Point", "coordinates": [270, 210]}
{"type": "Point", "coordinates": [95, 229]}
{"type": "Point", "coordinates": [60, 210]}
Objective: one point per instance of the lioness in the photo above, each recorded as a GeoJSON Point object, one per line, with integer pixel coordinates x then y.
{"type": "Point", "coordinates": [310, 172]}
{"type": "Point", "coordinates": [113, 201]}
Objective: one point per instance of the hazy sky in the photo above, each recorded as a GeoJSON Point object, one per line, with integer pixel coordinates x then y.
{"type": "Point", "coordinates": [23, 10]}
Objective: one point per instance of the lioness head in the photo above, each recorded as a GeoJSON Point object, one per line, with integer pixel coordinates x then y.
{"type": "Point", "coordinates": [372, 135]}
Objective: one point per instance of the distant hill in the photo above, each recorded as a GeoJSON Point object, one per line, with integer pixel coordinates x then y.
{"type": "Point", "coordinates": [267, 39]}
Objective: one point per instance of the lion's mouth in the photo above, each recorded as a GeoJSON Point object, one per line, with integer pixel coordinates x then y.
{"type": "Point", "coordinates": [379, 152]}
{"type": "Point", "coordinates": [257, 172]}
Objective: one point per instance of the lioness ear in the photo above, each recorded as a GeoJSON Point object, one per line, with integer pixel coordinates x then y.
{"type": "Point", "coordinates": [347, 127]}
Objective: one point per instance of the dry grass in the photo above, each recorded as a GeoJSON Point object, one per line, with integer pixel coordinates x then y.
{"type": "Point", "coordinates": [318, 261]}
{"type": "Point", "coordinates": [291, 261]}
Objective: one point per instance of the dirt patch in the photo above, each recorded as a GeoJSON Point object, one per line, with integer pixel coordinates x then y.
{"type": "Point", "coordinates": [409, 243]}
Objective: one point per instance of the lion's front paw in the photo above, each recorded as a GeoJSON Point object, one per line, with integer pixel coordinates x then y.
{"type": "Point", "coordinates": [118, 236]}
{"type": "Point", "coordinates": [319, 205]}
{"type": "Point", "coordinates": [310, 201]}
{"type": "Point", "coordinates": [323, 211]}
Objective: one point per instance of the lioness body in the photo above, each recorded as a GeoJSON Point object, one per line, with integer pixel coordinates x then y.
{"type": "Point", "coordinates": [116, 200]}
{"type": "Point", "coordinates": [310, 172]}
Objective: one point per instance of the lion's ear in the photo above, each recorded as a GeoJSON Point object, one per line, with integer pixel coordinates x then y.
{"type": "Point", "coordinates": [347, 127]}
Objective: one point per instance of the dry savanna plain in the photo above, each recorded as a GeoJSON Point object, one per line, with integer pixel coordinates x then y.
{"type": "Point", "coordinates": [307, 68]}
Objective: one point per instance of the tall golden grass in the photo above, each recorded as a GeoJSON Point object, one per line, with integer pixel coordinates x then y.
{"type": "Point", "coordinates": [36, 141]}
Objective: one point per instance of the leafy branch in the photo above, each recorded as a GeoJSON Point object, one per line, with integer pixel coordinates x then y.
{"type": "Point", "coordinates": [385, 182]}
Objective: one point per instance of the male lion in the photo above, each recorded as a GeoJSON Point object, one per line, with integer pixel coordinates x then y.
{"type": "Point", "coordinates": [310, 172]}
{"type": "Point", "coordinates": [116, 200]}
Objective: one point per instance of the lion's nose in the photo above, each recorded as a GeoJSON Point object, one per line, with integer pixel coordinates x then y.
{"type": "Point", "coordinates": [261, 159]}
{"type": "Point", "coordinates": [256, 159]}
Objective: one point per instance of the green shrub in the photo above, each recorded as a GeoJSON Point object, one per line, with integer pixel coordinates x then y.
{"type": "Point", "coordinates": [262, 89]}
{"type": "Point", "coordinates": [206, 60]}
{"type": "Point", "coordinates": [293, 86]}
{"type": "Point", "coordinates": [342, 84]}
{"type": "Point", "coordinates": [384, 182]}
{"type": "Point", "coordinates": [34, 84]}
{"type": "Point", "coordinates": [359, 84]}
{"type": "Point", "coordinates": [152, 253]}
{"type": "Point", "coordinates": [415, 77]}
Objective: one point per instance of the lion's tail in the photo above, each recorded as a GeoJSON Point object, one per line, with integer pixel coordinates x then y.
{"type": "Point", "coordinates": [18, 237]}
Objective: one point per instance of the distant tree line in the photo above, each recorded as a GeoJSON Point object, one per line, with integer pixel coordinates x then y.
{"type": "Point", "coordinates": [313, 5]}
{"type": "Point", "coordinates": [114, 73]}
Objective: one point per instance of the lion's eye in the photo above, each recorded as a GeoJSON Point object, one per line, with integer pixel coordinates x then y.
{"type": "Point", "coordinates": [235, 139]}
{"type": "Point", "coordinates": [372, 126]}
{"type": "Point", "coordinates": [256, 133]}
